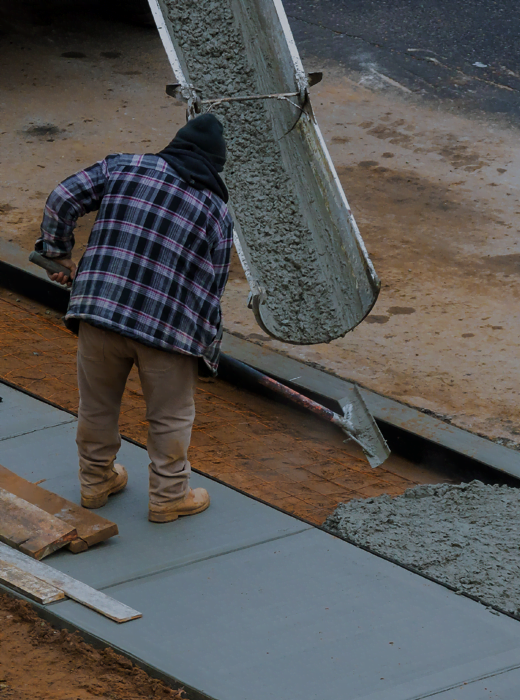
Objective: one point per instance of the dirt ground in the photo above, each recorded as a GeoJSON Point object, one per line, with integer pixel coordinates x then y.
{"type": "Point", "coordinates": [38, 661]}
{"type": "Point", "coordinates": [436, 197]}
{"type": "Point", "coordinates": [435, 194]}
{"type": "Point", "coordinates": [283, 456]}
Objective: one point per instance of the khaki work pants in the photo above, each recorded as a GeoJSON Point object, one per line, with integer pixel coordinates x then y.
{"type": "Point", "coordinates": [168, 382]}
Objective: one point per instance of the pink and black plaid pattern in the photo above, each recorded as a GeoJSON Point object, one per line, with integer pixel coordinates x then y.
{"type": "Point", "coordinates": [157, 259]}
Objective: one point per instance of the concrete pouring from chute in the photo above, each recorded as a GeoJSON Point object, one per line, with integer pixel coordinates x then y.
{"type": "Point", "coordinates": [308, 270]}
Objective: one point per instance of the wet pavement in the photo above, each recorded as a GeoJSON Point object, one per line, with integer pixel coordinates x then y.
{"type": "Point", "coordinates": [463, 52]}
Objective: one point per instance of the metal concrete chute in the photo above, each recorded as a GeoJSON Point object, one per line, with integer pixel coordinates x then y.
{"type": "Point", "coordinates": [323, 284]}
{"type": "Point", "coordinates": [354, 285]}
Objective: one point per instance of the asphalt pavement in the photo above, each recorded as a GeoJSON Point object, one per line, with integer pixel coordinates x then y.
{"type": "Point", "coordinates": [465, 53]}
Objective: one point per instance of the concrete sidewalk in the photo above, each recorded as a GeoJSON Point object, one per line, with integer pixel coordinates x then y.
{"type": "Point", "coordinates": [245, 603]}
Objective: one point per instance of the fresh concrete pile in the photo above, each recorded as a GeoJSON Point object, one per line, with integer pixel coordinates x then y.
{"type": "Point", "coordinates": [466, 536]}
{"type": "Point", "coordinates": [263, 197]}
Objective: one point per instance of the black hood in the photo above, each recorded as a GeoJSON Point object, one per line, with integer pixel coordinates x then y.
{"type": "Point", "coordinates": [198, 153]}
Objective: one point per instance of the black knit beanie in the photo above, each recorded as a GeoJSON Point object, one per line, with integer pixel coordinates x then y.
{"type": "Point", "coordinates": [206, 133]}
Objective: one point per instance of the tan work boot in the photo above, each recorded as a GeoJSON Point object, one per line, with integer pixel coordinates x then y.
{"type": "Point", "coordinates": [117, 482]}
{"type": "Point", "coordinates": [195, 501]}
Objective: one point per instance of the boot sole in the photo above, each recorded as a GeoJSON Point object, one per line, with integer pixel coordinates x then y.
{"type": "Point", "coordinates": [93, 502]}
{"type": "Point", "coordinates": [171, 517]}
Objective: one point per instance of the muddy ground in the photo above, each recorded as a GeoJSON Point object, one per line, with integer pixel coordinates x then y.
{"type": "Point", "coordinates": [435, 193]}
{"type": "Point", "coordinates": [39, 661]}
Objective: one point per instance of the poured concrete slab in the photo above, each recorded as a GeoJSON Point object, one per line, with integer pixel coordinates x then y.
{"type": "Point", "coordinates": [501, 686]}
{"type": "Point", "coordinates": [45, 453]}
{"type": "Point", "coordinates": [308, 616]}
{"type": "Point", "coordinates": [20, 414]}
{"type": "Point", "coordinates": [245, 603]}
{"type": "Point", "coordinates": [232, 522]}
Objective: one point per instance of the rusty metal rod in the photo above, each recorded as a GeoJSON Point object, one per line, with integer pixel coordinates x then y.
{"type": "Point", "coordinates": [325, 413]}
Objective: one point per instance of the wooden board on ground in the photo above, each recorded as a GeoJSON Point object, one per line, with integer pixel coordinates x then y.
{"type": "Point", "coordinates": [30, 529]}
{"type": "Point", "coordinates": [91, 527]}
{"type": "Point", "coordinates": [78, 591]}
{"type": "Point", "coordinates": [27, 584]}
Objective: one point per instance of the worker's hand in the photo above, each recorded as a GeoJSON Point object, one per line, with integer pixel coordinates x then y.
{"type": "Point", "coordinates": [60, 277]}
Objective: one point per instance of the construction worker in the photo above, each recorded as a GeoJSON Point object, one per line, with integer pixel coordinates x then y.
{"type": "Point", "coordinates": [146, 291]}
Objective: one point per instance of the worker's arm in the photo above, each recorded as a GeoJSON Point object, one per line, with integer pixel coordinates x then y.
{"type": "Point", "coordinates": [72, 198]}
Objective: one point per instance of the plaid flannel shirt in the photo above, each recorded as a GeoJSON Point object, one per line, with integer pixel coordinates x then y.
{"type": "Point", "coordinates": [157, 260]}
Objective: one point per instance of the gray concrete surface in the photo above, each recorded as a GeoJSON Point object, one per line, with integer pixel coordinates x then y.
{"type": "Point", "coordinates": [308, 616]}
{"type": "Point", "coordinates": [244, 603]}
{"type": "Point", "coordinates": [503, 686]}
{"type": "Point", "coordinates": [233, 521]}
{"type": "Point", "coordinates": [463, 535]}
{"type": "Point", "coordinates": [20, 414]}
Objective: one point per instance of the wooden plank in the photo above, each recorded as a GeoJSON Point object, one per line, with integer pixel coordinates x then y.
{"type": "Point", "coordinates": [91, 527]}
{"type": "Point", "coordinates": [30, 529]}
{"type": "Point", "coordinates": [78, 546]}
{"type": "Point", "coordinates": [27, 584]}
{"type": "Point", "coordinates": [78, 591]}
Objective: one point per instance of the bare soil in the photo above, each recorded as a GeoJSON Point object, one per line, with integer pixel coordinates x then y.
{"type": "Point", "coordinates": [281, 455]}
{"type": "Point", "coordinates": [39, 661]}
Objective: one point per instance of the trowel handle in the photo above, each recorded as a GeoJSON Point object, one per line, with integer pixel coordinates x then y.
{"type": "Point", "coordinates": [48, 264]}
